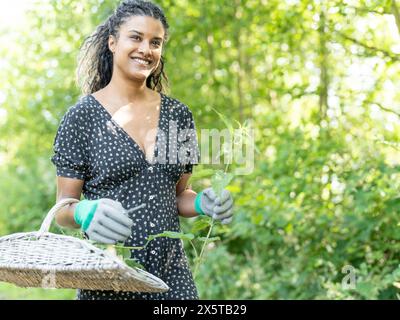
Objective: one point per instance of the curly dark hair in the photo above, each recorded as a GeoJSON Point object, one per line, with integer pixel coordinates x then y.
{"type": "Point", "coordinates": [95, 62]}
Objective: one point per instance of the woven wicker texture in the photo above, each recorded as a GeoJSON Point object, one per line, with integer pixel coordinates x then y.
{"type": "Point", "coordinates": [48, 260]}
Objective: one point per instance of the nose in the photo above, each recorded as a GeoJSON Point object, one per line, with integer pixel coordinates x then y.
{"type": "Point", "coordinates": [144, 47]}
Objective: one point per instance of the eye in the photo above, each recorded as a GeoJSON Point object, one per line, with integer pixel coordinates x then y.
{"type": "Point", "coordinates": [156, 43]}
{"type": "Point", "coordinates": [135, 37]}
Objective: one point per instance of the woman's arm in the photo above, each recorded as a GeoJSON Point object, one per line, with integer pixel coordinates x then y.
{"type": "Point", "coordinates": [68, 188]}
{"type": "Point", "coordinates": [185, 198]}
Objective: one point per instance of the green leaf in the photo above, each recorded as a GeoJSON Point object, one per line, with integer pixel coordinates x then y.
{"type": "Point", "coordinates": [227, 123]}
{"type": "Point", "coordinates": [220, 181]}
{"type": "Point", "coordinates": [125, 253]}
{"type": "Point", "coordinates": [172, 234]}
{"type": "Point", "coordinates": [179, 235]}
{"type": "Point", "coordinates": [201, 223]}
{"type": "Point", "coordinates": [365, 289]}
{"type": "Point", "coordinates": [133, 263]}
{"type": "Point", "coordinates": [98, 245]}
{"type": "Point", "coordinates": [152, 237]}
{"type": "Point", "coordinates": [209, 239]}
{"type": "Point", "coordinates": [203, 173]}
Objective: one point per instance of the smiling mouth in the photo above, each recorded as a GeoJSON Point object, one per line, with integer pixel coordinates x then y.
{"type": "Point", "coordinates": [142, 62]}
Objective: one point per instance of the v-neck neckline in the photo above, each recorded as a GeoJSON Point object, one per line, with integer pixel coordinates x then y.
{"type": "Point", "coordinates": [134, 143]}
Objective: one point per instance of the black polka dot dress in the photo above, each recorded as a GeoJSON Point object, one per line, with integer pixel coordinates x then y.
{"type": "Point", "coordinates": [91, 146]}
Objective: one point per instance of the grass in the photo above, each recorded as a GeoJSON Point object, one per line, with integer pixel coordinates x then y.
{"type": "Point", "coordinates": [11, 292]}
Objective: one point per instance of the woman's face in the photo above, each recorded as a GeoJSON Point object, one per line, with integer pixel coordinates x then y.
{"type": "Point", "coordinates": [137, 51]}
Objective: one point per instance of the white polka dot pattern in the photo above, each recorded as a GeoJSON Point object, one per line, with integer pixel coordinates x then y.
{"type": "Point", "coordinates": [90, 146]}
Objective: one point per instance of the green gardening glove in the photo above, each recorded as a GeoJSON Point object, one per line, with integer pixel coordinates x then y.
{"type": "Point", "coordinates": [219, 208]}
{"type": "Point", "coordinates": [103, 220]}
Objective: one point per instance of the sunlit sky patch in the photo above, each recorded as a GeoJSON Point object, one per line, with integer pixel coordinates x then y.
{"type": "Point", "coordinates": [12, 12]}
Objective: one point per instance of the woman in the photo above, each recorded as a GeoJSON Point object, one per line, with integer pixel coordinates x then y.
{"type": "Point", "coordinates": [114, 146]}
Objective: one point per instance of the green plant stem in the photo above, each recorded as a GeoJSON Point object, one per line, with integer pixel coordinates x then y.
{"type": "Point", "coordinates": [194, 248]}
{"type": "Point", "coordinates": [135, 248]}
{"type": "Point", "coordinates": [202, 249]}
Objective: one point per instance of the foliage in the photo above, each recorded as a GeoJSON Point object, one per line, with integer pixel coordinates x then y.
{"type": "Point", "coordinates": [318, 80]}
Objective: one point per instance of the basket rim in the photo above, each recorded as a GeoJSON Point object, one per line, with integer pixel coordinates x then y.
{"type": "Point", "coordinates": [85, 243]}
{"type": "Point", "coordinates": [118, 264]}
{"type": "Point", "coordinates": [123, 267]}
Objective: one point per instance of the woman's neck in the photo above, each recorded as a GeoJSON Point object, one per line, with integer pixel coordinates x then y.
{"type": "Point", "coordinates": [127, 91]}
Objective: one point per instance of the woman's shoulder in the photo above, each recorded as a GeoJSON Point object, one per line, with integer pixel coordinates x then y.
{"type": "Point", "coordinates": [82, 109]}
{"type": "Point", "coordinates": [177, 107]}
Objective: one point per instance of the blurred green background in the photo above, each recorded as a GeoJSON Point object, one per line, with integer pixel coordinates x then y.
{"type": "Point", "coordinates": [318, 79]}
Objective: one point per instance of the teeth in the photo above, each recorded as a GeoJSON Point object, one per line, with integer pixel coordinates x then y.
{"type": "Point", "coordinates": [141, 61]}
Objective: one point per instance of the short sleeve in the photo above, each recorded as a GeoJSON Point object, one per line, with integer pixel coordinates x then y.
{"type": "Point", "coordinates": [69, 146]}
{"type": "Point", "coordinates": [189, 149]}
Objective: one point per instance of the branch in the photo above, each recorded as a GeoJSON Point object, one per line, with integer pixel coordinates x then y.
{"type": "Point", "coordinates": [301, 89]}
{"type": "Point", "coordinates": [370, 48]}
{"type": "Point", "coordinates": [366, 10]}
{"type": "Point", "coordinates": [323, 64]}
{"type": "Point", "coordinates": [240, 80]}
{"type": "Point", "coordinates": [396, 13]}
{"type": "Point", "coordinates": [383, 108]}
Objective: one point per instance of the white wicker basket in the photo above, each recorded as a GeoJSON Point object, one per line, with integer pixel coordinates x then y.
{"type": "Point", "coordinates": [48, 260]}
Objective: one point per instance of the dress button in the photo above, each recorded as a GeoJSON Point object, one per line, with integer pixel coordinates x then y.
{"type": "Point", "coordinates": [152, 197]}
{"type": "Point", "coordinates": [153, 251]}
{"type": "Point", "coordinates": [150, 169]}
{"type": "Point", "coordinates": [152, 224]}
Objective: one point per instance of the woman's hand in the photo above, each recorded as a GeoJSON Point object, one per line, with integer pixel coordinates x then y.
{"type": "Point", "coordinates": [103, 220]}
{"type": "Point", "coordinates": [219, 208]}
